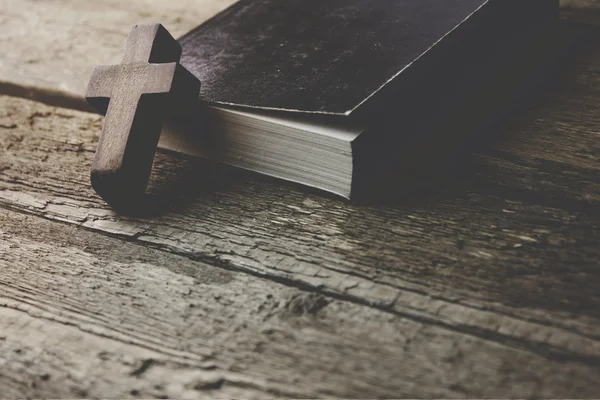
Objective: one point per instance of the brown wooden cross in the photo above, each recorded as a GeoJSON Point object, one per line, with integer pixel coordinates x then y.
{"type": "Point", "coordinates": [136, 96]}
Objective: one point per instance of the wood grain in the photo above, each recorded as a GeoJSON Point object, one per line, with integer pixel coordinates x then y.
{"type": "Point", "coordinates": [505, 253]}
{"type": "Point", "coordinates": [87, 315]}
{"type": "Point", "coordinates": [580, 4]}
{"type": "Point", "coordinates": [231, 285]}
{"type": "Point", "coordinates": [50, 47]}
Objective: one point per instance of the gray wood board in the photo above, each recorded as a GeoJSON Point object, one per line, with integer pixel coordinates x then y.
{"type": "Point", "coordinates": [240, 286]}
{"type": "Point", "coordinates": [89, 315]}
{"type": "Point", "coordinates": [505, 259]}
{"type": "Point", "coordinates": [50, 47]}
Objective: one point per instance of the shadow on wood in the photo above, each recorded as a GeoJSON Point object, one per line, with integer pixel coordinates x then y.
{"type": "Point", "coordinates": [195, 176]}
{"type": "Point", "coordinates": [437, 157]}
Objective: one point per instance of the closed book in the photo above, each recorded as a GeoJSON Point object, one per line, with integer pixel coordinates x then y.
{"type": "Point", "coordinates": [334, 94]}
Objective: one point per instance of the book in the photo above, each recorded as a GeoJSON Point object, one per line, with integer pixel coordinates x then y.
{"type": "Point", "coordinates": [333, 94]}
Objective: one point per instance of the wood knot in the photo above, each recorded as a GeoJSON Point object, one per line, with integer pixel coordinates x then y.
{"type": "Point", "coordinates": [306, 303]}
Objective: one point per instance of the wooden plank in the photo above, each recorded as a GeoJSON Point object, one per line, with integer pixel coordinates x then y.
{"type": "Point", "coordinates": [487, 287]}
{"type": "Point", "coordinates": [581, 4]}
{"type": "Point", "coordinates": [507, 253]}
{"type": "Point", "coordinates": [87, 315]}
{"type": "Point", "coordinates": [50, 47]}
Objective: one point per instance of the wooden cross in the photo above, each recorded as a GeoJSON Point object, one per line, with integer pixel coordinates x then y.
{"type": "Point", "coordinates": [136, 96]}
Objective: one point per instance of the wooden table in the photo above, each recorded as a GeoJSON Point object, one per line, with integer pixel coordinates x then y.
{"type": "Point", "coordinates": [236, 285]}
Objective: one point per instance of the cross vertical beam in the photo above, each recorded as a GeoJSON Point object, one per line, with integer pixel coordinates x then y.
{"type": "Point", "coordinates": [136, 97]}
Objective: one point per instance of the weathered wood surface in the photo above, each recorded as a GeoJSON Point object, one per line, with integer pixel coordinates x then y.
{"type": "Point", "coordinates": [581, 11]}
{"type": "Point", "coordinates": [488, 287]}
{"type": "Point", "coordinates": [50, 47]}
{"type": "Point", "coordinates": [88, 315]}
{"type": "Point", "coordinates": [580, 4]}
{"type": "Point", "coordinates": [233, 285]}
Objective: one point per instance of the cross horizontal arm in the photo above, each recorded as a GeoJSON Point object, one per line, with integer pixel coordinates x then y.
{"type": "Point", "coordinates": [102, 81]}
{"type": "Point", "coordinates": [101, 87]}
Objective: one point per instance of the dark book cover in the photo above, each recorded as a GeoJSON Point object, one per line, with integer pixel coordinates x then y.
{"type": "Point", "coordinates": [417, 78]}
{"type": "Point", "coordinates": [329, 56]}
